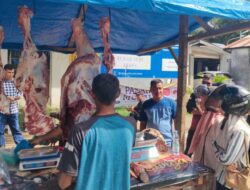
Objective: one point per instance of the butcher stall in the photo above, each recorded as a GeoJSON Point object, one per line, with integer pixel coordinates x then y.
{"type": "Point", "coordinates": [153, 165]}
{"type": "Point", "coordinates": [140, 28]}
{"type": "Point", "coordinates": [87, 27]}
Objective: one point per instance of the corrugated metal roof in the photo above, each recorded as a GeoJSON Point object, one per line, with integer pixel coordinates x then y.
{"type": "Point", "coordinates": [243, 42]}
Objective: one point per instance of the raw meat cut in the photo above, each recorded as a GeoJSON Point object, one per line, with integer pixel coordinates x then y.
{"type": "Point", "coordinates": [76, 101]}
{"type": "Point", "coordinates": [35, 121]}
{"type": "Point", "coordinates": [33, 79]}
{"type": "Point", "coordinates": [108, 57]}
{"type": "Point", "coordinates": [4, 102]}
{"type": "Point", "coordinates": [32, 63]}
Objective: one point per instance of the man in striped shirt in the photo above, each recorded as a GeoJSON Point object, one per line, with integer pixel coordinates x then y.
{"type": "Point", "coordinates": [10, 116]}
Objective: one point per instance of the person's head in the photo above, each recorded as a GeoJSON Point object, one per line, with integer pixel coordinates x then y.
{"type": "Point", "coordinates": [201, 92]}
{"type": "Point", "coordinates": [139, 96]}
{"type": "Point", "coordinates": [213, 102]}
{"type": "Point", "coordinates": [156, 88]}
{"type": "Point", "coordinates": [235, 99]}
{"type": "Point", "coordinates": [105, 89]}
{"type": "Point", "coordinates": [9, 71]}
{"type": "Point", "coordinates": [207, 80]}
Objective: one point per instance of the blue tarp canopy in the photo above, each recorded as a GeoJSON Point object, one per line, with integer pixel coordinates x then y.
{"type": "Point", "coordinates": [135, 24]}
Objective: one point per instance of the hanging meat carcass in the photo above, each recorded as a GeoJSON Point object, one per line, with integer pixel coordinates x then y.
{"type": "Point", "coordinates": [76, 101]}
{"type": "Point", "coordinates": [108, 57]}
{"type": "Point", "coordinates": [32, 63]}
{"type": "Point", "coordinates": [35, 121]}
{"type": "Point", "coordinates": [4, 102]}
{"type": "Point", "coordinates": [33, 79]}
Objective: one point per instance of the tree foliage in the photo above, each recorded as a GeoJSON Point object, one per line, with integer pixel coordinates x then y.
{"type": "Point", "coordinates": [226, 39]}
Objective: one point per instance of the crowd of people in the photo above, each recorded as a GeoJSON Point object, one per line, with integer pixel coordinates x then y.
{"type": "Point", "coordinates": [216, 138]}
{"type": "Point", "coordinates": [220, 137]}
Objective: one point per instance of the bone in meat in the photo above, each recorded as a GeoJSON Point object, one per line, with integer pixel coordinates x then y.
{"type": "Point", "coordinates": [33, 79]}
{"type": "Point", "coordinates": [35, 121]}
{"type": "Point", "coordinates": [108, 57]}
{"type": "Point", "coordinates": [32, 63]}
{"type": "Point", "coordinates": [4, 102]}
{"type": "Point", "coordinates": [76, 103]}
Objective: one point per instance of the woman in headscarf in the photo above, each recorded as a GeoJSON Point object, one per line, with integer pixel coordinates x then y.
{"type": "Point", "coordinates": [201, 145]}
{"type": "Point", "coordinates": [233, 133]}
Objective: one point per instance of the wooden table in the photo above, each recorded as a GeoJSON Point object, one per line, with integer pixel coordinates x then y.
{"type": "Point", "coordinates": [203, 181]}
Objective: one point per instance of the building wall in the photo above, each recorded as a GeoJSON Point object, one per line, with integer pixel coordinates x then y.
{"type": "Point", "coordinates": [225, 62]}
{"type": "Point", "coordinates": [206, 52]}
{"type": "Point", "coordinates": [58, 65]}
{"type": "Point", "coordinates": [4, 56]}
{"type": "Point", "coordinates": [240, 67]}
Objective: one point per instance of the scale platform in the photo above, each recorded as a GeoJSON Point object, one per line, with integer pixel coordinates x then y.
{"type": "Point", "coordinates": [38, 158]}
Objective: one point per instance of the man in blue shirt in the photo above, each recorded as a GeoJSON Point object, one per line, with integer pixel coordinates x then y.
{"type": "Point", "coordinates": [9, 108]}
{"type": "Point", "coordinates": [98, 151]}
{"type": "Point", "coordinates": [159, 111]}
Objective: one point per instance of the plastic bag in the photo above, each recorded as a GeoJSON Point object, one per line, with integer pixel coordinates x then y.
{"type": "Point", "coordinates": [4, 172]}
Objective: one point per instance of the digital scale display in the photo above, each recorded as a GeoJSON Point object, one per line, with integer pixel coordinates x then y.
{"type": "Point", "coordinates": [39, 165]}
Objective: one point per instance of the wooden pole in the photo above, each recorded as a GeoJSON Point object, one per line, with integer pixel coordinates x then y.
{"type": "Point", "coordinates": [182, 78]}
{"type": "Point", "coordinates": [174, 55]}
{"type": "Point", "coordinates": [202, 23]}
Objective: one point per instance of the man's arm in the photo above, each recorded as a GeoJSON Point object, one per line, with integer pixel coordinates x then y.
{"type": "Point", "coordinates": [143, 117]}
{"type": "Point", "coordinates": [55, 133]}
{"type": "Point", "coordinates": [64, 180]}
{"type": "Point", "coordinates": [143, 125]}
{"type": "Point", "coordinates": [18, 94]}
{"type": "Point", "coordinates": [71, 156]}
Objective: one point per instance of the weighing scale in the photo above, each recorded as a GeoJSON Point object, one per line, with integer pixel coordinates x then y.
{"type": "Point", "coordinates": [38, 158]}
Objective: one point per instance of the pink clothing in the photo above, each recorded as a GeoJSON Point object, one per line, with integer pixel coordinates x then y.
{"type": "Point", "coordinates": [207, 120]}
{"type": "Point", "coordinates": [195, 120]}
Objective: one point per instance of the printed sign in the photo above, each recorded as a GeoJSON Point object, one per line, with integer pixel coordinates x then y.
{"type": "Point", "coordinates": [128, 98]}
{"type": "Point", "coordinates": [132, 62]}
{"type": "Point", "coordinates": [158, 65]}
{"type": "Point", "coordinates": [169, 65]}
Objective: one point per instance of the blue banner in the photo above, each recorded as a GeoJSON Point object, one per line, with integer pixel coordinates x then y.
{"type": "Point", "coordinates": [158, 65]}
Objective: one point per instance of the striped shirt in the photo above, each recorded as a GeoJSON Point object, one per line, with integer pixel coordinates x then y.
{"type": "Point", "coordinates": [11, 90]}
{"type": "Point", "coordinates": [229, 145]}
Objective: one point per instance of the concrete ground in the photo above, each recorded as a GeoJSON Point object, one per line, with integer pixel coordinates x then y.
{"type": "Point", "coordinates": [10, 142]}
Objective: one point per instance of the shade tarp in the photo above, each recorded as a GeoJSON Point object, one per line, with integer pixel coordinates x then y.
{"type": "Point", "coordinates": [135, 25]}
{"type": "Point", "coordinates": [238, 9]}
